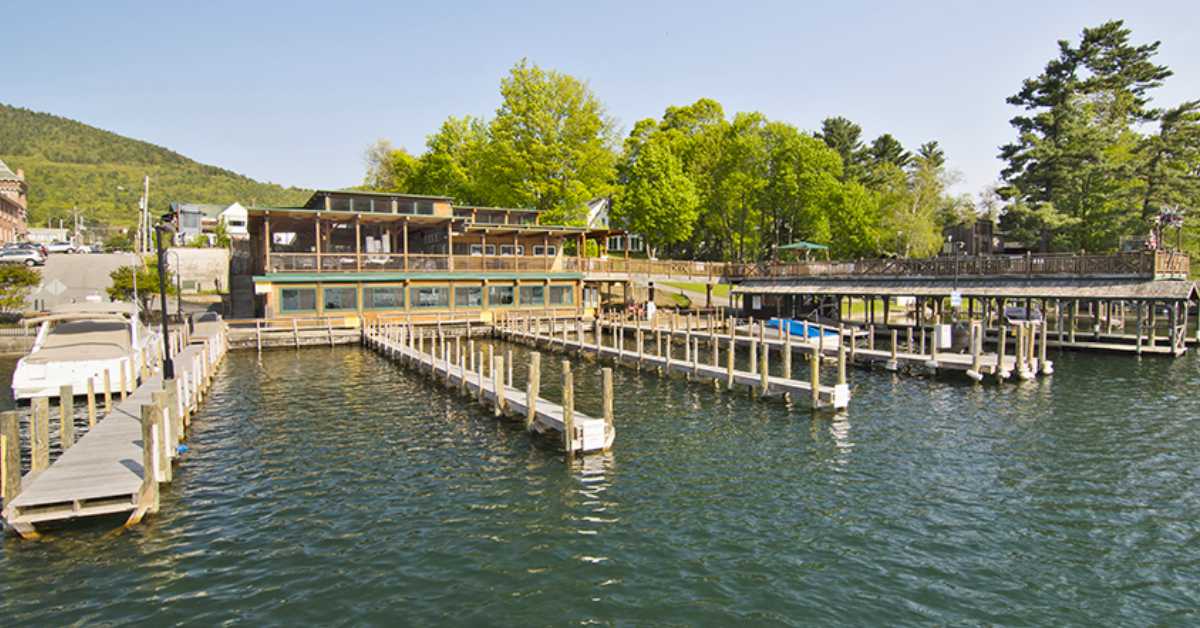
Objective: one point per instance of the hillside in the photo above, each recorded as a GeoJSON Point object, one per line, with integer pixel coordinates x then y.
{"type": "Point", "coordinates": [70, 164]}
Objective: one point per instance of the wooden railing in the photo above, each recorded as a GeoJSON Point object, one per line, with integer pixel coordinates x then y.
{"type": "Point", "coordinates": [1149, 264]}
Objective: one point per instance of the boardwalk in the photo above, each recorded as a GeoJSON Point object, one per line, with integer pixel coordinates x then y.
{"type": "Point", "coordinates": [103, 473]}
{"type": "Point", "coordinates": [836, 396]}
{"type": "Point", "coordinates": [407, 344]}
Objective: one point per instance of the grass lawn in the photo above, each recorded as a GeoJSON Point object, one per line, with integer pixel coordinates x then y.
{"type": "Point", "coordinates": [719, 290]}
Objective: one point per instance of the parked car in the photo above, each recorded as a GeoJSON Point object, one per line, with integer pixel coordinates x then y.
{"type": "Point", "coordinates": [61, 246]}
{"type": "Point", "coordinates": [28, 257]}
{"type": "Point", "coordinates": [31, 246]}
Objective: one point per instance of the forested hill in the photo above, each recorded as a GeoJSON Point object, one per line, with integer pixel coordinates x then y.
{"type": "Point", "coordinates": [70, 164]}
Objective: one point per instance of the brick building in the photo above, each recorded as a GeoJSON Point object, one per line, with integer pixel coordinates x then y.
{"type": "Point", "coordinates": [13, 204]}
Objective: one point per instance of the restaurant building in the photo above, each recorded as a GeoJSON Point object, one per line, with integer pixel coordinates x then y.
{"type": "Point", "coordinates": [368, 254]}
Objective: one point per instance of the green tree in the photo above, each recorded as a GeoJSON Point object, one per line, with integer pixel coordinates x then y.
{"type": "Point", "coordinates": [146, 274]}
{"type": "Point", "coordinates": [16, 281]}
{"type": "Point", "coordinates": [551, 145]}
{"type": "Point", "coordinates": [1071, 172]}
{"type": "Point", "coordinates": [658, 201]}
{"type": "Point", "coordinates": [845, 137]}
{"type": "Point", "coordinates": [389, 169]}
{"type": "Point", "coordinates": [888, 150]}
{"type": "Point", "coordinates": [118, 241]}
{"type": "Point", "coordinates": [221, 235]}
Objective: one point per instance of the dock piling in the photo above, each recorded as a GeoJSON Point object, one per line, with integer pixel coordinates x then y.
{"type": "Point", "coordinates": [498, 385]}
{"type": "Point", "coordinates": [39, 434]}
{"type": "Point", "coordinates": [532, 387]}
{"type": "Point", "coordinates": [91, 403]}
{"type": "Point", "coordinates": [151, 429]}
{"type": "Point", "coordinates": [66, 416]}
{"type": "Point", "coordinates": [107, 392]}
{"type": "Point", "coordinates": [10, 456]}
{"type": "Point", "coordinates": [568, 408]}
{"type": "Point", "coordinates": [606, 396]}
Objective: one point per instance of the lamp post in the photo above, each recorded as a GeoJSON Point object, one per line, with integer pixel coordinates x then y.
{"type": "Point", "coordinates": [168, 363]}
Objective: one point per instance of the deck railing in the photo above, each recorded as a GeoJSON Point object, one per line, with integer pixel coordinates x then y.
{"type": "Point", "coordinates": [1148, 264]}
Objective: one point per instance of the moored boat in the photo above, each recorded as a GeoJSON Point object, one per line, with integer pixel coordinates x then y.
{"type": "Point", "coordinates": [80, 341]}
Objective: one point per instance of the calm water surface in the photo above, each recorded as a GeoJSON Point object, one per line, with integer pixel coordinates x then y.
{"type": "Point", "coordinates": [327, 485]}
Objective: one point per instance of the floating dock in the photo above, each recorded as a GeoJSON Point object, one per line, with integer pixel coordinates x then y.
{"type": "Point", "coordinates": [104, 473]}
{"type": "Point", "coordinates": [454, 364]}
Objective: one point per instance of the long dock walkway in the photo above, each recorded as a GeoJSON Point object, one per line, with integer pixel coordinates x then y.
{"type": "Point", "coordinates": [104, 473]}
{"type": "Point", "coordinates": [835, 344]}
{"type": "Point", "coordinates": [535, 331]}
{"type": "Point", "coordinates": [454, 365]}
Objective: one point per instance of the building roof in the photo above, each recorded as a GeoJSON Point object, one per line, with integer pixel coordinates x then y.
{"type": "Point", "coordinates": [6, 174]}
{"type": "Point", "coordinates": [208, 210]}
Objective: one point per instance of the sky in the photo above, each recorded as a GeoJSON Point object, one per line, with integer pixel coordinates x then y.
{"type": "Point", "coordinates": [293, 93]}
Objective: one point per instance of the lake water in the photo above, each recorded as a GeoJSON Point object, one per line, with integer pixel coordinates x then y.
{"type": "Point", "coordinates": [328, 485]}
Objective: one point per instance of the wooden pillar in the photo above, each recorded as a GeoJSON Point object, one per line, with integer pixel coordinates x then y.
{"type": "Point", "coordinates": [39, 434]}
{"type": "Point", "coordinates": [405, 249]}
{"type": "Point", "coordinates": [814, 378]}
{"type": "Point", "coordinates": [165, 438]}
{"type": "Point", "coordinates": [606, 399]}
{"type": "Point", "coordinates": [91, 403]}
{"type": "Point", "coordinates": [267, 243]}
{"type": "Point", "coordinates": [66, 416]}
{"type": "Point", "coordinates": [317, 235]}
{"type": "Point", "coordinates": [568, 408]}
{"type": "Point", "coordinates": [450, 247]}
{"type": "Point", "coordinates": [10, 456]}
{"type": "Point", "coordinates": [151, 430]}
{"type": "Point", "coordinates": [107, 392]}
{"type": "Point", "coordinates": [498, 384]}
{"type": "Point", "coordinates": [357, 243]}
{"type": "Point", "coordinates": [729, 358]}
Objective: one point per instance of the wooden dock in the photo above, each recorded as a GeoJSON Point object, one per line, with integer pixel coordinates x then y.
{"type": "Point", "coordinates": [454, 362]}
{"type": "Point", "coordinates": [900, 353]}
{"type": "Point", "coordinates": [104, 473]}
{"type": "Point", "coordinates": [559, 334]}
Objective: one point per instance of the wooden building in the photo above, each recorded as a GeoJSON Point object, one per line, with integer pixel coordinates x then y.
{"type": "Point", "coordinates": [368, 254]}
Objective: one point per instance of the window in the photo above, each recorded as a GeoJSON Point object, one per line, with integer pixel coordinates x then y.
{"type": "Point", "coordinates": [425, 207]}
{"type": "Point", "coordinates": [430, 296]}
{"type": "Point", "coordinates": [236, 222]}
{"type": "Point", "coordinates": [562, 295]}
{"type": "Point", "coordinates": [340, 298]}
{"type": "Point", "coordinates": [533, 295]}
{"type": "Point", "coordinates": [511, 249]}
{"type": "Point", "coordinates": [468, 296]}
{"type": "Point", "coordinates": [298, 299]}
{"type": "Point", "coordinates": [501, 296]}
{"type": "Point", "coordinates": [477, 249]}
{"type": "Point", "coordinates": [548, 251]}
{"type": "Point", "coordinates": [383, 297]}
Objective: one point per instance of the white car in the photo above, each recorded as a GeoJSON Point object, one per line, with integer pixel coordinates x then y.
{"type": "Point", "coordinates": [61, 247]}
{"type": "Point", "coordinates": [28, 257]}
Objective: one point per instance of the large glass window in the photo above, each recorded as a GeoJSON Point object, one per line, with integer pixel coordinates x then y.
{"type": "Point", "coordinates": [430, 296]}
{"type": "Point", "coordinates": [562, 295]}
{"type": "Point", "coordinates": [501, 296]}
{"type": "Point", "coordinates": [425, 207]}
{"type": "Point", "coordinates": [340, 298]}
{"type": "Point", "coordinates": [298, 299]}
{"type": "Point", "coordinates": [477, 249]}
{"type": "Point", "coordinates": [548, 251]}
{"type": "Point", "coordinates": [512, 249]}
{"type": "Point", "coordinates": [533, 295]}
{"type": "Point", "coordinates": [468, 296]}
{"type": "Point", "coordinates": [383, 297]}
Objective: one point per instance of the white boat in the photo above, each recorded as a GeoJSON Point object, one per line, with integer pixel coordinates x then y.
{"type": "Point", "coordinates": [80, 341]}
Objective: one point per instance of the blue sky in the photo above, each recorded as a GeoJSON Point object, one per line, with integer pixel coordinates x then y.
{"type": "Point", "coordinates": [294, 92]}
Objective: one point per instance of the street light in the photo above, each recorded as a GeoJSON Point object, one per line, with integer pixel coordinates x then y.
{"type": "Point", "coordinates": [164, 225]}
{"type": "Point", "coordinates": [178, 285]}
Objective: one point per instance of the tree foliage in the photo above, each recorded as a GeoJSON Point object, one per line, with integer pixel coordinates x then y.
{"type": "Point", "coordinates": [70, 165]}
{"type": "Point", "coordinates": [142, 278]}
{"type": "Point", "coordinates": [1083, 171]}
{"type": "Point", "coordinates": [16, 281]}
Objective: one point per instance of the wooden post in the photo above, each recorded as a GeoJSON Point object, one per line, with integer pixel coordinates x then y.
{"type": "Point", "coordinates": [568, 408]}
{"type": "Point", "coordinates": [814, 378]}
{"type": "Point", "coordinates": [764, 372]}
{"type": "Point", "coordinates": [174, 416]}
{"type": "Point", "coordinates": [871, 335]}
{"type": "Point", "coordinates": [532, 387]}
{"type": "Point", "coordinates": [10, 456]}
{"type": "Point", "coordinates": [753, 351]}
{"type": "Point", "coordinates": [124, 384]}
{"type": "Point", "coordinates": [606, 399]}
{"type": "Point", "coordinates": [39, 434]}
{"type": "Point", "coordinates": [91, 403]}
{"type": "Point", "coordinates": [508, 361]}
{"type": "Point", "coordinates": [107, 392]}
{"type": "Point", "coordinates": [66, 416]}
{"type": "Point", "coordinates": [729, 357]}
{"type": "Point", "coordinates": [841, 363]}
{"type": "Point", "coordinates": [787, 353]}
{"type": "Point", "coordinates": [1001, 370]}
{"type": "Point", "coordinates": [166, 440]}
{"type": "Point", "coordinates": [498, 385]}
{"type": "Point", "coordinates": [151, 429]}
